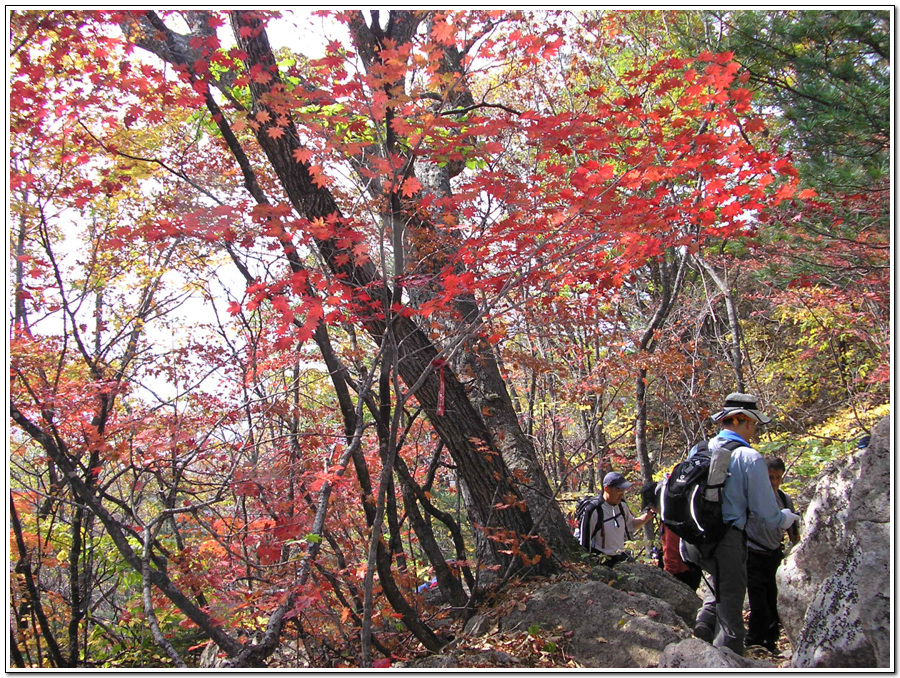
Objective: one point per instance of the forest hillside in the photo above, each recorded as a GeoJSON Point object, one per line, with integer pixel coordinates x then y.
{"type": "Point", "coordinates": [310, 309]}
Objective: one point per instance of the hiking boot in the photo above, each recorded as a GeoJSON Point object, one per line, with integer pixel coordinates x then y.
{"type": "Point", "coordinates": [771, 648]}
{"type": "Point", "coordinates": [703, 632]}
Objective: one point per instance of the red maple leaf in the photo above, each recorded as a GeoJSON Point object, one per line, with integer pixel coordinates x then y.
{"type": "Point", "coordinates": [318, 176]}
{"type": "Point", "coordinates": [443, 32]}
{"type": "Point", "coordinates": [410, 187]}
{"type": "Point", "coordinates": [302, 154]}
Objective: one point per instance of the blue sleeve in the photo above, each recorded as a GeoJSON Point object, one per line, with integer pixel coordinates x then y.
{"type": "Point", "coordinates": [761, 499]}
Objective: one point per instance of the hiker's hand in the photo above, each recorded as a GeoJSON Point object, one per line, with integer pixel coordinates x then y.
{"type": "Point", "coordinates": [645, 517]}
{"type": "Point", "coordinates": [790, 517]}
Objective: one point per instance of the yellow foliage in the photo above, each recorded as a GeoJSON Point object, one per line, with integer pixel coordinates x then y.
{"type": "Point", "coordinates": [843, 426]}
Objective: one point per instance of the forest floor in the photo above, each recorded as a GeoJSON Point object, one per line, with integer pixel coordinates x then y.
{"type": "Point", "coordinates": [530, 648]}
{"type": "Point", "coordinates": [535, 647]}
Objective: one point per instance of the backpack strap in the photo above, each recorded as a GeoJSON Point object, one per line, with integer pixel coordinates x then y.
{"type": "Point", "coordinates": [732, 445]}
{"type": "Point", "coordinates": [600, 525]}
{"type": "Point", "coordinates": [613, 517]}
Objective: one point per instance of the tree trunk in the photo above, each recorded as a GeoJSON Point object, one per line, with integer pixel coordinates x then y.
{"type": "Point", "coordinates": [449, 585]}
{"type": "Point", "coordinates": [23, 567]}
{"type": "Point", "coordinates": [458, 423]}
{"type": "Point", "coordinates": [20, 317]}
{"type": "Point", "coordinates": [735, 354]}
{"type": "Point", "coordinates": [671, 277]}
{"type": "Point", "coordinates": [489, 392]}
{"type": "Point", "coordinates": [640, 426]}
{"type": "Point", "coordinates": [491, 397]}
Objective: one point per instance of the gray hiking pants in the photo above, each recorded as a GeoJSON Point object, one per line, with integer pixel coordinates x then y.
{"type": "Point", "coordinates": [727, 566]}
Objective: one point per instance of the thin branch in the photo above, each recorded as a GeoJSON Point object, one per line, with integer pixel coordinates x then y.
{"type": "Point", "coordinates": [483, 104]}
{"type": "Point", "coordinates": [149, 612]}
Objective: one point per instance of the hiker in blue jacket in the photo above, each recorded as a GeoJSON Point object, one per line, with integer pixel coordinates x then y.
{"type": "Point", "coordinates": [747, 491]}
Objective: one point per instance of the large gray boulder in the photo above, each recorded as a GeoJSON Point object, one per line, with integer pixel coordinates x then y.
{"type": "Point", "coordinates": [834, 587]}
{"type": "Point", "coordinates": [694, 653]}
{"type": "Point", "coordinates": [617, 618]}
{"type": "Point", "coordinates": [607, 627]}
{"type": "Point", "coordinates": [653, 581]}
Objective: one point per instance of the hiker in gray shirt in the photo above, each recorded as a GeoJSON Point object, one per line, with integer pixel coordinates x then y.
{"type": "Point", "coordinates": [764, 555]}
{"type": "Point", "coordinates": [605, 530]}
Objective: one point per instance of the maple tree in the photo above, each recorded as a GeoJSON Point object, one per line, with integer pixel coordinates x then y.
{"type": "Point", "coordinates": [294, 304]}
{"type": "Point", "coordinates": [817, 284]}
{"type": "Point", "coordinates": [833, 290]}
{"type": "Point", "coordinates": [799, 313]}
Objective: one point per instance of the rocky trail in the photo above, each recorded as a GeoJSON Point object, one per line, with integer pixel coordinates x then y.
{"type": "Point", "coordinates": [833, 598]}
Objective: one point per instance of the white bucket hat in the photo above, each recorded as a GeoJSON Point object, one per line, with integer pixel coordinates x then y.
{"type": "Point", "coordinates": [741, 403]}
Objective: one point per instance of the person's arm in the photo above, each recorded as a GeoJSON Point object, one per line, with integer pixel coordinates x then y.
{"type": "Point", "coordinates": [643, 518]}
{"type": "Point", "coordinates": [761, 499]}
{"type": "Point", "coordinates": [633, 523]}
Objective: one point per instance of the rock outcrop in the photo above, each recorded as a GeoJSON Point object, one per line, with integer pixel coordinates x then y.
{"type": "Point", "coordinates": [609, 627]}
{"type": "Point", "coordinates": [834, 587]}
{"type": "Point", "coordinates": [694, 653]}
{"type": "Point", "coordinates": [653, 581]}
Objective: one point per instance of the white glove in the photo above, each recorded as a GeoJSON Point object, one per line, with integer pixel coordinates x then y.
{"type": "Point", "coordinates": [790, 517]}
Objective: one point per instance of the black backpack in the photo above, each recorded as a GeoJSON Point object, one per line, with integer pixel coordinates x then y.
{"type": "Point", "coordinates": [685, 507]}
